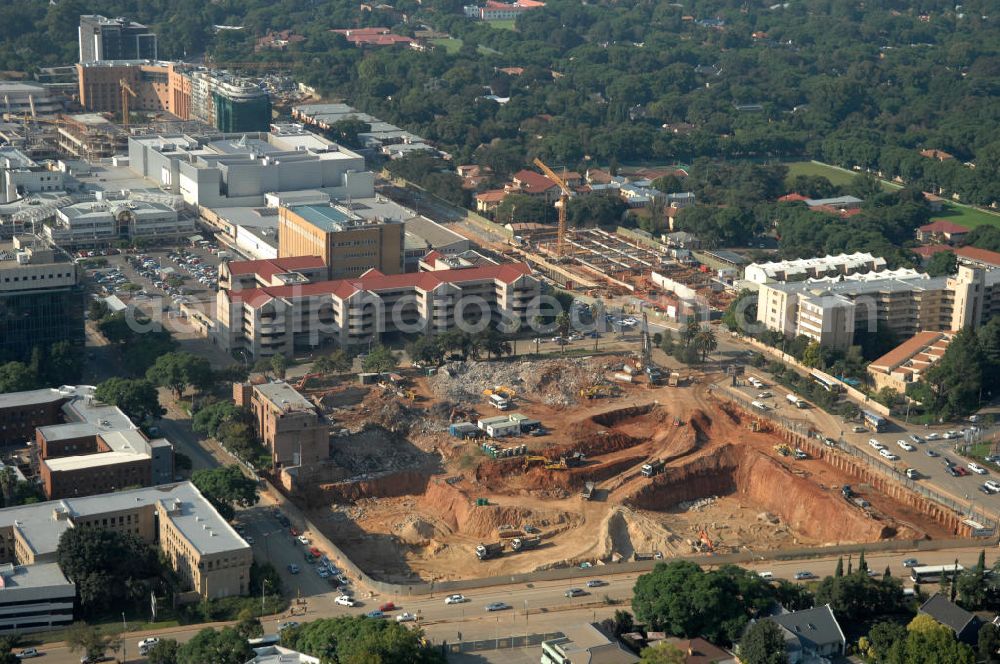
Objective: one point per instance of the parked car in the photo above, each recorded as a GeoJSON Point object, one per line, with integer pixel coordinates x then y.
{"type": "Point", "coordinates": [931, 453]}
{"type": "Point", "coordinates": [375, 614]}
{"type": "Point", "coordinates": [288, 624]}
{"type": "Point", "coordinates": [992, 485]}
{"type": "Point", "coordinates": [962, 472]}
{"type": "Point", "coordinates": [976, 468]}
{"type": "Point", "coordinates": [905, 445]}
{"type": "Point", "coordinates": [915, 438]}
{"type": "Point", "coordinates": [953, 471]}
{"type": "Point", "coordinates": [303, 540]}
{"type": "Point", "coordinates": [934, 436]}
{"type": "Point", "coordinates": [912, 474]}
{"type": "Point", "coordinates": [293, 569]}
{"type": "Point", "coordinates": [455, 599]}
{"type": "Point", "coordinates": [857, 428]}
{"type": "Point", "coordinates": [388, 606]}
{"type": "Point", "coordinates": [345, 600]}
{"type": "Point", "coordinates": [28, 653]}
{"type": "Point", "coordinates": [406, 617]}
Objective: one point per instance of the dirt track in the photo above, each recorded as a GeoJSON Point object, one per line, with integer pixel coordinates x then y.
{"type": "Point", "coordinates": [722, 480]}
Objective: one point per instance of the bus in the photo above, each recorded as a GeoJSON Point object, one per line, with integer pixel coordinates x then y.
{"type": "Point", "coordinates": [873, 422]}
{"type": "Point", "coordinates": [933, 573]}
{"type": "Point", "coordinates": [826, 383]}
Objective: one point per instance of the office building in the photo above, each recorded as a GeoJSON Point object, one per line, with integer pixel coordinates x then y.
{"type": "Point", "coordinates": [813, 268]}
{"type": "Point", "coordinates": [34, 598]}
{"type": "Point", "coordinates": [222, 170]}
{"type": "Point", "coordinates": [424, 235]}
{"type": "Point", "coordinates": [585, 643]}
{"type": "Point", "coordinates": [242, 275]}
{"type": "Point", "coordinates": [114, 39]}
{"type": "Point", "coordinates": [204, 550]}
{"type": "Point", "coordinates": [22, 98]}
{"type": "Point", "coordinates": [41, 298]}
{"type": "Point", "coordinates": [287, 423]}
{"type": "Point", "coordinates": [229, 103]}
{"type": "Point", "coordinates": [272, 320]}
{"type": "Point", "coordinates": [101, 223]}
{"type": "Point", "coordinates": [906, 364]}
{"type": "Point", "coordinates": [381, 136]}
{"type": "Point", "coordinates": [348, 244]}
{"type": "Point", "coordinates": [832, 311]}
{"type": "Point", "coordinates": [22, 412]}
{"type": "Point", "coordinates": [20, 175]}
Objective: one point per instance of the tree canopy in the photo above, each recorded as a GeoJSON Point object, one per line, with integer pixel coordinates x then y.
{"type": "Point", "coordinates": [180, 370]}
{"type": "Point", "coordinates": [137, 398]}
{"type": "Point", "coordinates": [107, 566]}
{"type": "Point", "coordinates": [226, 487]}
{"type": "Point", "coordinates": [763, 643]}
{"type": "Point", "coordinates": [349, 639]}
{"type": "Point", "coordinates": [226, 646]}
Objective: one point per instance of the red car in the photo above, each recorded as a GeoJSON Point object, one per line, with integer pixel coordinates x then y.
{"type": "Point", "coordinates": [962, 472]}
{"type": "Point", "coordinates": [388, 606]}
{"type": "Point", "coordinates": [293, 532]}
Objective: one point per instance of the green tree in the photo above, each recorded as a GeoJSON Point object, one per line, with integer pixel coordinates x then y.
{"type": "Point", "coordinates": [248, 625]}
{"type": "Point", "coordinates": [226, 487]}
{"type": "Point", "coordinates": [942, 263]}
{"type": "Point", "coordinates": [426, 350]}
{"type": "Point", "coordinates": [812, 355]}
{"type": "Point", "coordinates": [563, 323]}
{"type": "Point", "coordinates": [379, 360]}
{"type": "Point", "coordinates": [763, 643]}
{"type": "Point", "coordinates": [89, 639]}
{"type": "Point", "coordinates": [106, 566]}
{"type": "Point", "coordinates": [705, 342]}
{"type": "Point", "coordinates": [929, 642]}
{"type": "Point", "coordinates": [180, 370]}
{"type": "Point", "coordinates": [741, 312]}
{"type": "Point", "coordinates": [16, 377]}
{"type": "Point", "coordinates": [667, 342]}
{"type": "Point", "coordinates": [164, 652]}
{"type": "Point", "coordinates": [279, 365]}
{"type": "Point", "coordinates": [208, 419]}
{"type": "Point", "coordinates": [359, 639]}
{"type": "Point", "coordinates": [857, 596]}
{"type": "Point", "coordinates": [662, 653]}
{"type": "Point", "coordinates": [690, 331]}
{"type": "Point", "coordinates": [881, 638]}
{"type": "Point", "coordinates": [63, 364]}
{"type": "Point", "coordinates": [336, 362]}
{"type": "Point", "coordinates": [839, 571]}
{"type": "Point", "coordinates": [988, 643]}
{"type": "Point", "coordinates": [226, 646]}
{"type": "Point", "coordinates": [137, 398]}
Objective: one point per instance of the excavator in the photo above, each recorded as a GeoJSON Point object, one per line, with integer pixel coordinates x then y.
{"type": "Point", "coordinates": [599, 390]}
{"type": "Point", "coordinates": [706, 541]}
{"type": "Point", "coordinates": [783, 450]}
{"type": "Point", "coordinates": [500, 390]}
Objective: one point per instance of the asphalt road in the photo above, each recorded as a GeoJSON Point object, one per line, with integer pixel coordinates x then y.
{"type": "Point", "coordinates": [537, 607]}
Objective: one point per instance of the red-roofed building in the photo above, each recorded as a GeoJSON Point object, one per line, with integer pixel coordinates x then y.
{"type": "Point", "coordinates": [977, 257]}
{"type": "Point", "coordinates": [277, 319]}
{"type": "Point", "coordinates": [501, 11]}
{"type": "Point", "coordinates": [941, 230]}
{"type": "Point", "coordinates": [362, 37]}
{"type": "Point", "coordinates": [242, 275]}
{"type": "Point", "coordinates": [487, 201]}
{"type": "Point", "coordinates": [530, 183]}
{"type": "Point", "coordinates": [793, 198]}
{"type": "Point", "coordinates": [939, 155]}
{"type": "Point", "coordinates": [904, 364]}
{"type": "Point", "coordinates": [929, 250]}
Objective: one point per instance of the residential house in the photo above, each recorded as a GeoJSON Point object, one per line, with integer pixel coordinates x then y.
{"type": "Point", "coordinates": [811, 633]}
{"type": "Point", "coordinates": [696, 650]}
{"type": "Point", "coordinates": [905, 364]}
{"type": "Point", "coordinates": [585, 643]}
{"type": "Point", "coordinates": [530, 183]}
{"type": "Point", "coordinates": [941, 231]}
{"type": "Point", "coordinates": [965, 625]}
{"type": "Point", "coordinates": [938, 155]}
{"type": "Point", "coordinates": [488, 201]}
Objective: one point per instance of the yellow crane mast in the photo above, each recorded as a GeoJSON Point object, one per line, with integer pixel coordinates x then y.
{"type": "Point", "coordinates": [563, 200]}
{"type": "Point", "coordinates": [126, 91]}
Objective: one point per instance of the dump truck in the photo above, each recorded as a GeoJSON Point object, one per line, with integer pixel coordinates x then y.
{"type": "Point", "coordinates": [588, 491]}
{"type": "Point", "coordinates": [674, 380]}
{"type": "Point", "coordinates": [652, 468]}
{"type": "Point", "coordinates": [525, 543]}
{"type": "Point", "coordinates": [487, 551]}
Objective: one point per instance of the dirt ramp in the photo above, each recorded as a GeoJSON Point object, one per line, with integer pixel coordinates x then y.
{"type": "Point", "coordinates": [386, 486]}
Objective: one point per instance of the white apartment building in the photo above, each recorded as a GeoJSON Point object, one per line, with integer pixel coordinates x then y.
{"type": "Point", "coordinates": [272, 320]}
{"type": "Point", "coordinates": [830, 312]}
{"type": "Point", "coordinates": [20, 175]}
{"type": "Point", "coordinates": [813, 268]}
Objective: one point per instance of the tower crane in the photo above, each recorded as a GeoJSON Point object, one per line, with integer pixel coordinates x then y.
{"type": "Point", "coordinates": [561, 204]}
{"type": "Point", "coordinates": [126, 90]}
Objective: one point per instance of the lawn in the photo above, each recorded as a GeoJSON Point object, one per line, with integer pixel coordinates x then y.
{"type": "Point", "coordinates": [960, 214]}
{"type": "Point", "coordinates": [502, 25]}
{"type": "Point", "coordinates": [451, 45]}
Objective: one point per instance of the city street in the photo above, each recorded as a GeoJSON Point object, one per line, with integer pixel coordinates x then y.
{"type": "Point", "coordinates": [547, 607]}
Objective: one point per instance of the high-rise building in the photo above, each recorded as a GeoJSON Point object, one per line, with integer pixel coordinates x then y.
{"type": "Point", "coordinates": [41, 298]}
{"type": "Point", "coordinates": [349, 244]}
{"type": "Point", "coordinates": [104, 38]}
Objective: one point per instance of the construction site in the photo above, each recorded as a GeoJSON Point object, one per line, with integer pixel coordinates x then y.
{"type": "Point", "coordinates": [490, 468]}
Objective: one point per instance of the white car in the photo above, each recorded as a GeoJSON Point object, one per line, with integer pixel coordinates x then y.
{"type": "Point", "coordinates": [877, 445]}
{"type": "Point", "coordinates": [976, 468]}
{"type": "Point", "coordinates": [888, 455]}
{"type": "Point", "coordinates": [934, 436]}
{"type": "Point", "coordinates": [28, 653]}
{"type": "Point", "coordinates": [406, 617]}
{"type": "Point", "coordinates": [905, 445]}
{"type": "Point", "coordinates": [455, 599]}
{"type": "Point", "coordinates": [345, 600]}
{"type": "Point", "coordinates": [764, 395]}
{"type": "Point", "coordinates": [303, 540]}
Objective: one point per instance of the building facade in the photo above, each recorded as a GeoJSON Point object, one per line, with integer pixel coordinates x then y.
{"type": "Point", "coordinates": [20, 175]}
{"type": "Point", "coordinates": [114, 39]}
{"type": "Point", "coordinates": [813, 268]}
{"type": "Point", "coordinates": [348, 244]}
{"type": "Point", "coordinates": [201, 546]}
{"type": "Point", "coordinates": [276, 320]}
{"type": "Point", "coordinates": [831, 312]}
{"type": "Point", "coordinates": [41, 298]}
{"type": "Point", "coordinates": [34, 598]}
{"type": "Point", "coordinates": [905, 364]}
{"type": "Point", "coordinates": [287, 423]}
{"type": "Point", "coordinates": [100, 223]}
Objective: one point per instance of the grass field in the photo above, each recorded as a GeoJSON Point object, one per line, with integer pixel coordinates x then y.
{"type": "Point", "coordinates": [502, 25]}
{"type": "Point", "coordinates": [959, 214]}
{"type": "Point", "coordinates": [451, 45]}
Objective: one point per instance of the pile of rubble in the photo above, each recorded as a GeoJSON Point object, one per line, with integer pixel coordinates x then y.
{"type": "Point", "coordinates": [552, 382]}
{"type": "Point", "coordinates": [696, 505]}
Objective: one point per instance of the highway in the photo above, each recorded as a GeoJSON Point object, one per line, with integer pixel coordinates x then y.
{"type": "Point", "coordinates": [535, 607]}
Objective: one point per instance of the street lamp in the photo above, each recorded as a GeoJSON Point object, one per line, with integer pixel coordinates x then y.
{"type": "Point", "coordinates": [263, 585]}
{"type": "Point", "coordinates": [124, 644]}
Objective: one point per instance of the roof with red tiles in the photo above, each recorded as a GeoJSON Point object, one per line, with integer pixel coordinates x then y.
{"type": "Point", "coordinates": [267, 268]}
{"type": "Point", "coordinates": [943, 226]}
{"type": "Point", "coordinates": [533, 182]}
{"type": "Point", "coordinates": [373, 280]}
{"type": "Point", "coordinates": [792, 198]}
{"type": "Point", "coordinates": [491, 196]}
{"type": "Point", "coordinates": [932, 249]}
{"type": "Point", "coordinates": [979, 255]}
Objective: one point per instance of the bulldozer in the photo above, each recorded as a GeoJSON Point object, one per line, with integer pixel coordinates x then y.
{"type": "Point", "coordinates": [782, 449]}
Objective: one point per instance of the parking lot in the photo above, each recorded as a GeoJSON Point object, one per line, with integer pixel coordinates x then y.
{"type": "Point", "coordinates": [165, 276]}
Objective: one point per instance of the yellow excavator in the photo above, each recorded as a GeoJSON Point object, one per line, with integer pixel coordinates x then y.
{"type": "Point", "coordinates": [782, 449]}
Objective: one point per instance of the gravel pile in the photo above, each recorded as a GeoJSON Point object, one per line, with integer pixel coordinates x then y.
{"type": "Point", "coordinates": [552, 382]}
